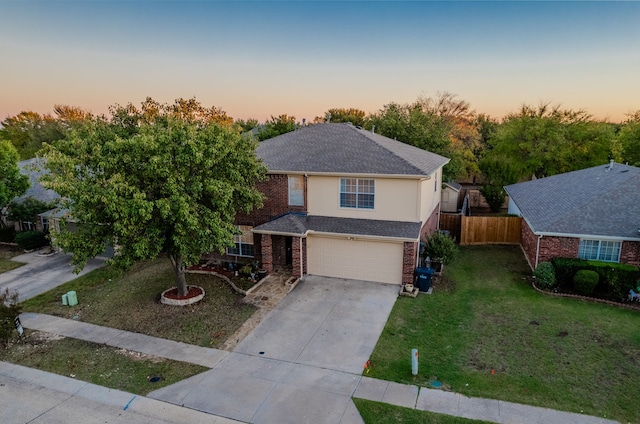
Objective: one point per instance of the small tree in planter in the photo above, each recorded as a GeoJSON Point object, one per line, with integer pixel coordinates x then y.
{"type": "Point", "coordinates": [441, 249]}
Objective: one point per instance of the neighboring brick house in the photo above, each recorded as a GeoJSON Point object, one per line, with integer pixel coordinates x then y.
{"type": "Point", "coordinates": [593, 213]}
{"type": "Point", "coordinates": [342, 202]}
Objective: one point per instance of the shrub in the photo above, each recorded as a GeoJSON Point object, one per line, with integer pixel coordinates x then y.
{"type": "Point", "coordinates": [615, 279]}
{"type": "Point", "coordinates": [585, 281]}
{"type": "Point", "coordinates": [7, 235]}
{"type": "Point", "coordinates": [9, 310]}
{"type": "Point", "coordinates": [545, 275]}
{"type": "Point", "coordinates": [29, 240]}
{"type": "Point", "coordinates": [441, 246]}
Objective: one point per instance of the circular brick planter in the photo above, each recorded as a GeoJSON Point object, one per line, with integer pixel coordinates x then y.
{"type": "Point", "coordinates": [169, 296]}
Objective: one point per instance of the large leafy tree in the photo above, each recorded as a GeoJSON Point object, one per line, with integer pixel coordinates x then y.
{"type": "Point", "coordinates": [439, 125]}
{"type": "Point", "coordinates": [549, 140]}
{"type": "Point", "coordinates": [498, 172]}
{"type": "Point", "coordinates": [12, 182]}
{"type": "Point", "coordinates": [277, 125]}
{"type": "Point", "coordinates": [27, 131]}
{"type": "Point", "coordinates": [150, 181]}
{"type": "Point", "coordinates": [630, 139]}
{"type": "Point", "coordinates": [355, 116]}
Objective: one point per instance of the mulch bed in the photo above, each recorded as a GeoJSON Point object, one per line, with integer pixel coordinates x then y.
{"type": "Point", "coordinates": [193, 292]}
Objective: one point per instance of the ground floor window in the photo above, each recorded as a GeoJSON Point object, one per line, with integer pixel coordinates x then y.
{"type": "Point", "coordinates": [27, 226]}
{"type": "Point", "coordinates": [243, 242]}
{"type": "Point", "coordinates": [600, 250]}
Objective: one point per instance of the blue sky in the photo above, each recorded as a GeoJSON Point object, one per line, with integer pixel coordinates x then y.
{"type": "Point", "coordinates": [256, 59]}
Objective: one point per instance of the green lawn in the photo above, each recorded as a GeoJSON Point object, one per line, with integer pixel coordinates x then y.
{"type": "Point", "coordinates": [8, 265]}
{"type": "Point", "coordinates": [553, 352]}
{"type": "Point", "coordinates": [383, 413]}
{"type": "Point", "coordinates": [98, 364]}
{"type": "Point", "coordinates": [130, 301]}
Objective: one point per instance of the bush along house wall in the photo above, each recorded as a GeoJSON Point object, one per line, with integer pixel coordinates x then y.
{"type": "Point", "coordinates": [614, 282]}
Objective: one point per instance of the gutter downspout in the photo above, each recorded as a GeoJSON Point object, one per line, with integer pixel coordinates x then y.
{"type": "Point", "coordinates": [537, 251]}
{"type": "Point", "coordinates": [301, 259]}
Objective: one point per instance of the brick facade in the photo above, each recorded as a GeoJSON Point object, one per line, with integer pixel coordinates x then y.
{"type": "Point", "coordinates": [566, 247]}
{"type": "Point", "coordinates": [430, 226]}
{"type": "Point", "coordinates": [267, 255]}
{"type": "Point", "coordinates": [558, 247]}
{"type": "Point", "coordinates": [630, 253]}
{"type": "Point", "coordinates": [528, 242]}
{"type": "Point", "coordinates": [296, 257]}
{"type": "Point", "coordinates": [409, 255]}
{"type": "Point", "coordinates": [276, 203]}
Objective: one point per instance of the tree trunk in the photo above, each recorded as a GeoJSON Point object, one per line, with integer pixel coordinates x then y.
{"type": "Point", "coordinates": [180, 270]}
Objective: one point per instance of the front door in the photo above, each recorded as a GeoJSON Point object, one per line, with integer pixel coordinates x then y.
{"type": "Point", "coordinates": [288, 242]}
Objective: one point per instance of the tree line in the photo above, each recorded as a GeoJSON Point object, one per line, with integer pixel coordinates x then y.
{"type": "Point", "coordinates": [534, 141]}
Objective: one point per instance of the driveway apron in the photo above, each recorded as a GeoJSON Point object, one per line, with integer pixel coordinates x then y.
{"type": "Point", "coordinates": [302, 363]}
{"type": "Point", "coordinates": [42, 273]}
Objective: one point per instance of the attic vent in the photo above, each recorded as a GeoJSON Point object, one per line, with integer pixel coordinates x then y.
{"type": "Point", "coordinates": [624, 170]}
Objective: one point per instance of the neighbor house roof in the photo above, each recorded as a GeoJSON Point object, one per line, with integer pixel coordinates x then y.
{"type": "Point", "coordinates": [34, 169]}
{"type": "Point", "coordinates": [300, 225]}
{"type": "Point", "coordinates": [599, 201]}
{"type": "Point", "coordinates": [345, 149]}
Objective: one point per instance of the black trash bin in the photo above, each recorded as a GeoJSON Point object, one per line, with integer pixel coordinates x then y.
{"type": "Point", "coordinates": [422, 278]}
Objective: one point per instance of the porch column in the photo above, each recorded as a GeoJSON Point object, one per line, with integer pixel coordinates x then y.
{"type": "Point", "coordinates": [296, 257]}
{"type": "Point", "coordinates": [409, 255]}
{"type": "Point", "coordinates": [266, 248]}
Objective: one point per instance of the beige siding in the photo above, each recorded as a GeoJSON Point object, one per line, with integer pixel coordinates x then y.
{"type": "Point", "coordinates": [430, 193]}
{"type": "Point", "coordinates": [395, 199]}
{"type": "Point", "coordinates": [355, 259]}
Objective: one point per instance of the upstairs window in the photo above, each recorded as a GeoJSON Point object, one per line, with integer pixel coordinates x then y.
{"type": "Point", "coordinates": [243, 242]}
{"type": "Point", "coordinates": [296, 190]}
{"type": "Point", "coordinates": [599, 250]}
{"type": "Point", "coordinates": [357, 193]}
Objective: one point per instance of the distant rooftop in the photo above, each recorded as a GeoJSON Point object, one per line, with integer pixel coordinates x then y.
{"type": "Point", "coordinates": [34, 169]}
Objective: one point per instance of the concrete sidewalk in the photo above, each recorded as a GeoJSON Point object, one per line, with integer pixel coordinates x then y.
{"type": "Point", "coordinates": [136, 342]}
{"type": "Point", "coordinates": [33, 396]}
{"type": "Point", "coordinates": [288, 376]}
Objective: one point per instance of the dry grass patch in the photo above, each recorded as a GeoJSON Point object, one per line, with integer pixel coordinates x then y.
{"type": "Point", "coordinates": [131, 302]}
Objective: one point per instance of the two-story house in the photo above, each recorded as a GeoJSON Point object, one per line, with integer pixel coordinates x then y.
{"type": "Point", "coordinates": [343, 202]}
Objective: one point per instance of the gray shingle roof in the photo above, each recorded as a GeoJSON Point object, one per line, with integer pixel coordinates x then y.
{"type": "Point", "coordinates": [33, 168]}
{"type": "Point", "coordinates": [595, 201]}
{"type": "Point", "coordinates": [345, 149]}
{"type": "Point", "coordinates": [297, 224]}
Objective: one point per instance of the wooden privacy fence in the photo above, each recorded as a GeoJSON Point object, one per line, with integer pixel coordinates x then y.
{"type": "Point", "coordinates": [470, 230]}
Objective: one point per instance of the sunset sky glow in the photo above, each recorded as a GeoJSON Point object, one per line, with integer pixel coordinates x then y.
{"type": "Point", "coordinates": [262, 58]}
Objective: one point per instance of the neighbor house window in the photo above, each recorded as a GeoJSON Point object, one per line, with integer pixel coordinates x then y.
{"type": "Point", "coordinates": [599, 250]}
{"type": "Point", "coordinates": [27, 225]}
{"type": "Point", "coordinates": [45, 223]}
{"type": "Point", "coordinates": [243, 242]}
{"type": "Point", "coordinates": [357, 193]}
{"type": "Point", "coordinates": [296, 190]}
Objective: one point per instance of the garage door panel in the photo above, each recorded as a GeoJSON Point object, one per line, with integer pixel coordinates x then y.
{"type": "Point", "coordinates": [355, 259]}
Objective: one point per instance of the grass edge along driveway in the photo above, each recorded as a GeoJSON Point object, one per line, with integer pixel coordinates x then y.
{"type": "Point", "coordinates": [487, 333]}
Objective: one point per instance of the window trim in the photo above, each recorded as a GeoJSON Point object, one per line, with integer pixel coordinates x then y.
{"type": "Point", "coordinates": [239, 242]}
{"type": "Point", "coordinates": [289, 180]}
{"type": "Point", "coordinates": [357, 193]}
{"type": "Point", "coordinates": [599, 250]}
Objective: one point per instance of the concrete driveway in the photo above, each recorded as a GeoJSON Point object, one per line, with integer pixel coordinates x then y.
{"type": "Point", "coordinates": [42, 273]}
{"type": "Point", "coordinates": [302, 363]}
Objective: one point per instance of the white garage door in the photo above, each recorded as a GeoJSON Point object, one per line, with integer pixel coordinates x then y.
{"type": "Point", "coordinates": [355, 259]}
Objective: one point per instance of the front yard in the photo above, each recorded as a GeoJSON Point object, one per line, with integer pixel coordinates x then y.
{"type": "Point", "coordinates": [487, 333]}
{"type": "Point", "coordinates": [130, 302]}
